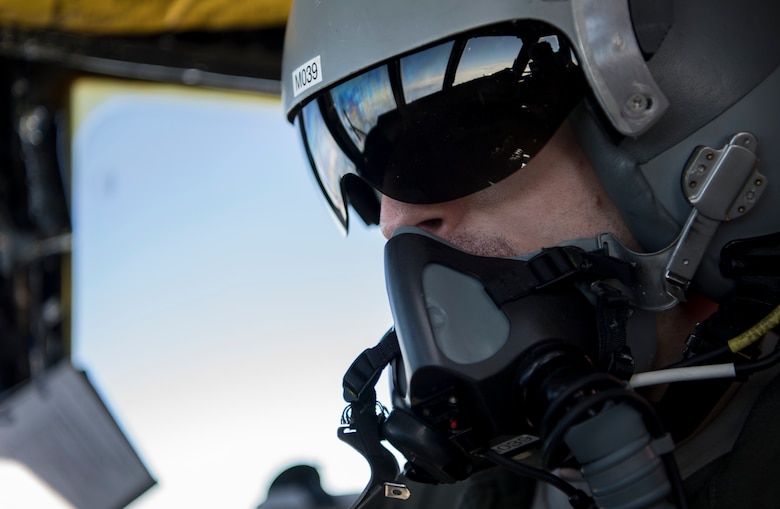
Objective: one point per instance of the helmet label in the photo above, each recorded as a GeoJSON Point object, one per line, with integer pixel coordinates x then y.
{"type": "Point", "coordinates": [307, 75]}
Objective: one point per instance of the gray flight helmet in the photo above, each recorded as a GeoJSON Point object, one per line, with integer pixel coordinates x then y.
{"type": "Point", "coordinates": [346, 37]}
{"type": "Point", "coordinates": [674, 85]}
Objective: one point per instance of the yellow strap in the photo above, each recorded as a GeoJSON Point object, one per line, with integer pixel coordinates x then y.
{"type": "Point", "coordinates": [756, 332]}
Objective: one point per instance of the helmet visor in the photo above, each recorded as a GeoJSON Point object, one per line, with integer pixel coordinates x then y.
{"type": "Point", "coordinates": [444, 122]}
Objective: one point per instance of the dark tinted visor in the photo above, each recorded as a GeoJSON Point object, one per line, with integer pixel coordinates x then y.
{"type": "Point", "coordinates": [441, 123]}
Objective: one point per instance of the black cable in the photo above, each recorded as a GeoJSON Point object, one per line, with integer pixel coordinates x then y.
{"type": "Point", "coordinates": [675, 479]}
{"type": "Point", "coordinates": [741, 369]}
{"type": "Point", "coordinates": [712, 357]}
{"type": "Point", "coordinates": [766, 362]}
{"type": "Point", "coordinates": [577, 498]}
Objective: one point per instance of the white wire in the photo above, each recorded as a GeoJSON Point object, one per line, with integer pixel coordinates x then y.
{"type": "Point", "coordinates": [665, 376]}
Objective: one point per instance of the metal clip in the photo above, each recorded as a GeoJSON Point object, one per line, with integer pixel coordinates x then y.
{"type": "Point", "coordinates": [725, 184]}
{"type": "Point", "coordinates": [721, 185]}
{"type": "Point", "coordinates": [397, 491]}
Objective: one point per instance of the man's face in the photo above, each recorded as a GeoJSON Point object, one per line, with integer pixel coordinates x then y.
{"type": "Point", "coordinates": [555, 198]}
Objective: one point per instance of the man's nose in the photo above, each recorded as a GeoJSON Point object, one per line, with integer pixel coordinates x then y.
{"type": "Point", "coordinates": [436, 218]}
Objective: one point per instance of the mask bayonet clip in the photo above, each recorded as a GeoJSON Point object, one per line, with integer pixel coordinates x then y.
{"type": "Point", "coordinates": [721, 185]}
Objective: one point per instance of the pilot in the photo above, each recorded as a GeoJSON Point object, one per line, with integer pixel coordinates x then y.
{"type": "Point", "coordinates": [647, 130]}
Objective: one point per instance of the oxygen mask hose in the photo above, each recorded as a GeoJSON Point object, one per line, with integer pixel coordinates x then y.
{"type": "Point", "coordinates": [620, 462]}
{"type": "Point", "coordinates": [625, 456]}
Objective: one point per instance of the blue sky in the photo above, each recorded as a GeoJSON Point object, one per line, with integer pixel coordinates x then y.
{"type": "Point", "coordinates": [216, 304]}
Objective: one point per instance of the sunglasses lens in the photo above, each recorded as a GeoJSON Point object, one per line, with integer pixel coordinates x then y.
{"type": "Point", "coordinates": [328, 161]}
{"type": "Point", "coordinates": [444, 122]}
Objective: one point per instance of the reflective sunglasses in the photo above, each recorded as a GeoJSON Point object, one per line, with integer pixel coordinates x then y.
{"type": "Point", "coordinates": [443, 122]}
